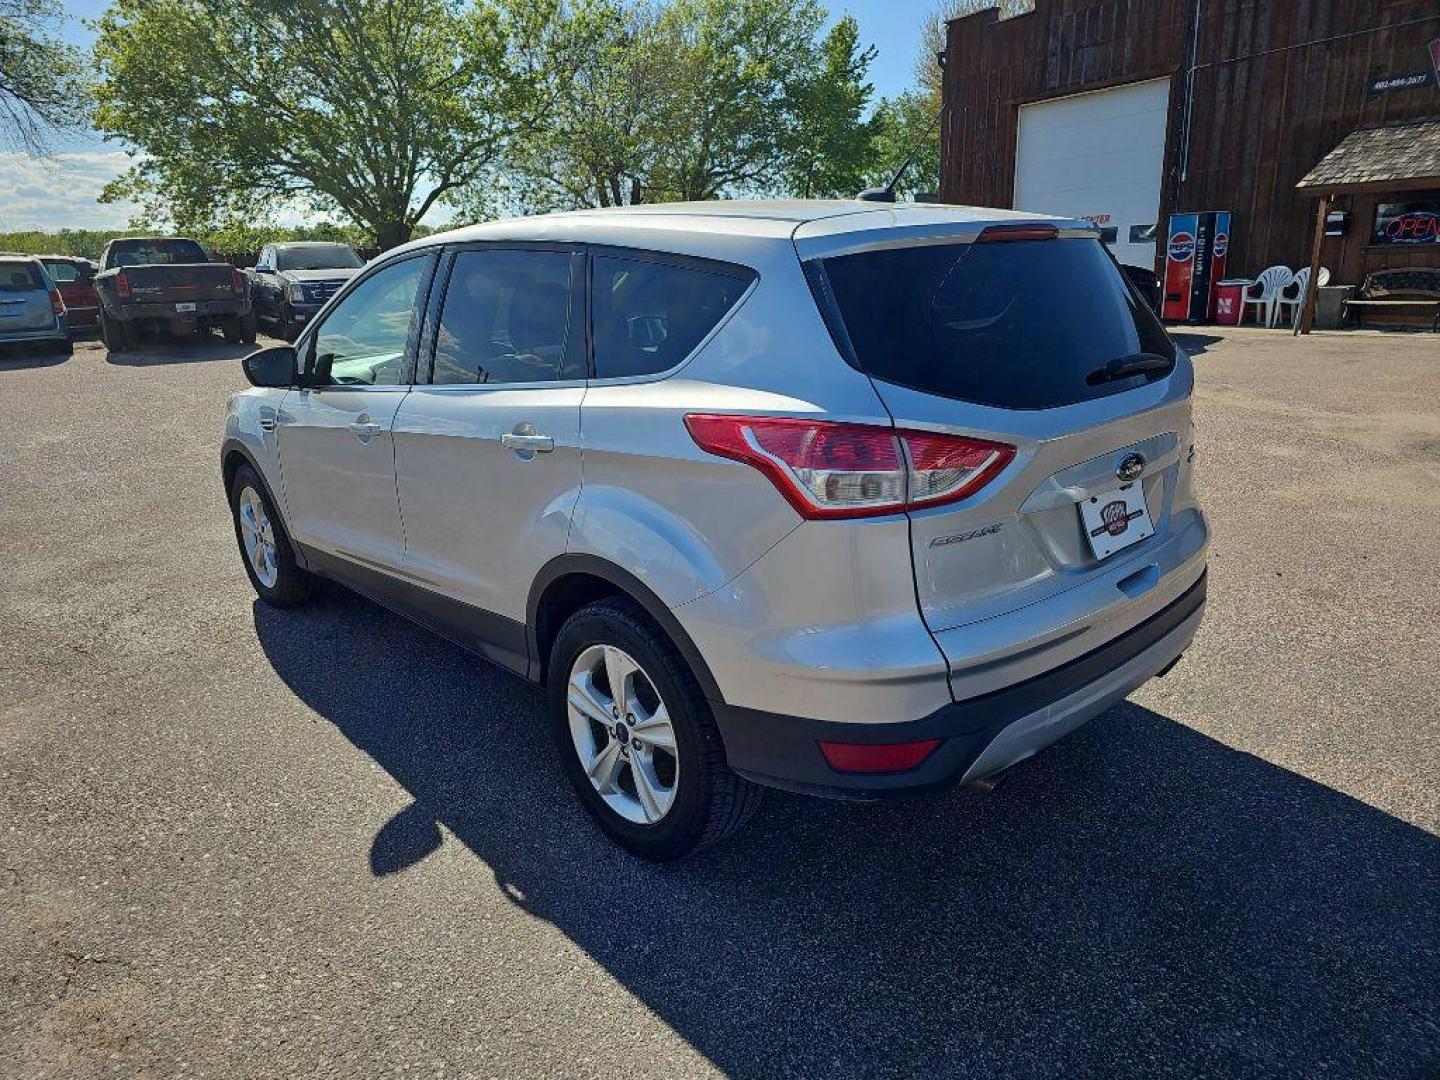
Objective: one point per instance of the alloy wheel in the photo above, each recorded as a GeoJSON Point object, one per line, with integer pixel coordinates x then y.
{"type": "Point", "coordinates": [623, 734]}
{"type": "Point", "coordinates": [257, 534]}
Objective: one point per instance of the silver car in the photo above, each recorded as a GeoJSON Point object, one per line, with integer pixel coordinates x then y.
{"type": "Point", "coordinates": [32, 312]}
{"type": "Point", "coordinates": [845, 499]}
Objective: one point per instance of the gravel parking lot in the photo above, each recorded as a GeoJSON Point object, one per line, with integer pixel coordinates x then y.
{"type": "Point", "coordinates": [236, 842]}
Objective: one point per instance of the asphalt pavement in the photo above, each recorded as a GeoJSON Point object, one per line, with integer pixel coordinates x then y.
{"type": "Point", "coordinates": [238, 842]}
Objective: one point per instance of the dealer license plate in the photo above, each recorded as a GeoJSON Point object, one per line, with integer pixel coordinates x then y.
{"type": "Point", "coordinates": [185, 307]}
{"type": "Point", "coordinates": [1116, 519]}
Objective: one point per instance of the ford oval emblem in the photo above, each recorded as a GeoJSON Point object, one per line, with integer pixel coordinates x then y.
{"type": "Point", "coordinates": [1130, 467]}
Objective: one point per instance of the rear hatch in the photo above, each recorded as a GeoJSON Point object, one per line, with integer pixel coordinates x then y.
{"type": "Point", "coordinates": [24, 300]}
{"type": "Point", "coordinates": [1027, 335]}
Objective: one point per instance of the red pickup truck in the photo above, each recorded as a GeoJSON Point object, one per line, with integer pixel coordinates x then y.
{"type": "Point", "coordinates": [75, 278]}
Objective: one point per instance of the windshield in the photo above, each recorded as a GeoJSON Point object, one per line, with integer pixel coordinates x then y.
{"type": "Point", "coordinates": [154, 253]}
{"type": "Point", "coordinates": [318, 257]}
{"type": "Point", "coordinates": [1023, 324]}
{"type": "Point", "coordinates": [19, 277]}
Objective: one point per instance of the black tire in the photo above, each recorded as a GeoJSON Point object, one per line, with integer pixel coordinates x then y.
{"type": "Point", "coordinates": [62, 348]}
{"type": "Point", "coordinates": [293, 585]}
{"type": "Point", "coordinates": [285, 326]}
{"type": "Point", "coordinates": [249, 327]}
{"type": "Point", "coordinates": [710, 801]}
{"type": "Point", "coordinates": [232, 330]}
{"type": "Point", "coordinates": [114, 333]}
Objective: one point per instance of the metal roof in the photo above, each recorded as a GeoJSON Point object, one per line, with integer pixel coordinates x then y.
{"type": "Point", "coordinates": [1398, 156]}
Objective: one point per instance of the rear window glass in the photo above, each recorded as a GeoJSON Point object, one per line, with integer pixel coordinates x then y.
{"type": "Point", "coordinates": [19, 277]}
{"type": "Point", "coordinates": [155, 252]}
{"type": "Point", "coordinates": [1023, 324]}
{"type": "Point", "coordinates": [648, 316]}
{"type": "Point", "coordinates": [62, 271]}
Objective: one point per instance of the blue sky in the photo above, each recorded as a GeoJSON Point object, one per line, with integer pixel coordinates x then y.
{"type": "Point", "coordinates": [62, 193]}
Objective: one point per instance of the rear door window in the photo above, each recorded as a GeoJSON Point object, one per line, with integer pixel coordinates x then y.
{"type": "Point", "coordinates": [650, 315]}
{"type": "Point", "coordinates": [508, 318]}
{"type": "Point", "coordinates": [1023, 324]}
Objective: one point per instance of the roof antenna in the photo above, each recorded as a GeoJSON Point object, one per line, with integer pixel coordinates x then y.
{"type": "Point", "coordinates": [886, 194]}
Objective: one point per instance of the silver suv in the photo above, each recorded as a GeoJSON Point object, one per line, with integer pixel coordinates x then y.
{"type": "Point", "coordinates": [844, 499]}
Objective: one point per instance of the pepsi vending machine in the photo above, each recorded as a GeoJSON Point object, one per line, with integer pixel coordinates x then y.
{"type": "Point", "coordinates": [1194, 261]}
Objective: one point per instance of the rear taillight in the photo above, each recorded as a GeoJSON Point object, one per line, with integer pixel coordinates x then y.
{"type": "Point", "coordinates": [57, 302]}
{"type": "Point", "coordinates": [122, 286]}
{"type": "Point", "coordinates": [835, 470]}
{"type": "Point", "coordinates": [237, 282]}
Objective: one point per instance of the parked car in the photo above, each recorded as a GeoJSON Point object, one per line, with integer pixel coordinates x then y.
{"type": "Point", "coordinates": [848, 500]}
{"type": "Point", "coordinates": [32, 311]}
{"type": "Point", "coordinates": [169, 283]}
{"type": "Point", "coordinates": [291, 282]}
{"type": "Point", "coordinates": [75, 278]}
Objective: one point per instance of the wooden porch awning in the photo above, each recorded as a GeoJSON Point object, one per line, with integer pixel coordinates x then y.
{"type": "Point", "coordinates": [1401, 156]}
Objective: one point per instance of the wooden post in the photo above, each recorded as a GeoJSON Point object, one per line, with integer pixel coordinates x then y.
{"type": "Point", "coordinates": [1312, 287]}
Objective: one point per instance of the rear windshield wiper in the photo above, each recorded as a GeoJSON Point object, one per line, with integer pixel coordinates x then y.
{"type": "Point", "coordinates": [1122, 367]}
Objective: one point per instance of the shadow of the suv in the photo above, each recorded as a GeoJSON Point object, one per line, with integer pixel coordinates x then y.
{"type": "Point", "coordinates": [1140, 900]}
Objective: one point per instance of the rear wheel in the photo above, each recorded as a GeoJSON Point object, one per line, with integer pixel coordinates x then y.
{"type": "Point", "coordinates": [249, 327]}
{"type": "Point", "coordinates": [231, 328]}
{"type": "Point", "coordinates": [637, 738]}
{"type": "Point", "coordinates": [264, 544]}
{"type": "Point", "coordinates": [114, 333]}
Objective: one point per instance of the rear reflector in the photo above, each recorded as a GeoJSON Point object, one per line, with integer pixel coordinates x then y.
{"type": "Point", "coordinates": [877, 757]}
{"type": "Point", "coordinates": [830, 470]}
{"type": "Point", "coordinates": [994, 234]}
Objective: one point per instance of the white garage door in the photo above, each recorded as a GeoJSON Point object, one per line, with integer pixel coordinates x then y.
{"type": "Point", "coordinates": [1098, 156]}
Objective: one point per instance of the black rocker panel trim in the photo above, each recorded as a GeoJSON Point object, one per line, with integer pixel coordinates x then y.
{"type": "Point", "coordinates": [494, 637]}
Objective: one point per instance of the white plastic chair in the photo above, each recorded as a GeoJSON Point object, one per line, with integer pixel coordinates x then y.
{"type": "Point", "coordinates": [1268, 285]}
{"type": "Point", "coordinates": [1284, 299]}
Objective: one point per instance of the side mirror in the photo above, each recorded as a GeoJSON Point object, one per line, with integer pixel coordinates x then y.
{"type": "Point", "coordinates": [271, 367]}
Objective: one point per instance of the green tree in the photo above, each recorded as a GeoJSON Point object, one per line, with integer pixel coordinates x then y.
{"type": "Point", "coordinates": [372, 109]}
{"type": "Point", "coordinates": [697, 99]}
{"type": "Point", "coordinates": [832, 140]}
{"type": "Point", "coordinates": [42, 90]}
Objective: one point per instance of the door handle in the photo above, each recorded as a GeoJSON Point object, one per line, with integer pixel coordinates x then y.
{"type": "Point", "coordinates": [364, 428]}
{"type": "Point", "coordinates": [525, 442]}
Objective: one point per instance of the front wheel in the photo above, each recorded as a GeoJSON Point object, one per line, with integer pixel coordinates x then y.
{"type": "Point", "coordinates": [264, 544]}
{"type": "Point", "coordinates": [637, 738]}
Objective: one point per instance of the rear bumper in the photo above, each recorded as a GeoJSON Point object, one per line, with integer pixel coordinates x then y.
{"type": "Point", "coordinates": [980, 735]}
{"type": "Point", "coordinates": [60, 331]}
{"type": "Point", "coordinates": [204, 309]}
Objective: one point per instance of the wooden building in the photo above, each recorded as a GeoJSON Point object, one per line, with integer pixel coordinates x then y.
{"type": "Point", "coordinates": [1248, 97]}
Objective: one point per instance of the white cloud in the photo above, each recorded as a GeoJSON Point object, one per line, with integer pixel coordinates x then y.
{"type": "Point", "coordinates": [61, 192]}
